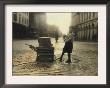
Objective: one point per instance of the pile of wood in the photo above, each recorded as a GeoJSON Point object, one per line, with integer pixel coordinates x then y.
{"type": "Point", "coordinates": [45, 51]}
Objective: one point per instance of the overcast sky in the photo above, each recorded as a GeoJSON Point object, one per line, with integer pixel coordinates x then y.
{"type": "Point", "coordinates": [62, 20]}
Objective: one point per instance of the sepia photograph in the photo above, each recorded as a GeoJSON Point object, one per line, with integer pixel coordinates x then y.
{"type": "Point", "coordinates": [55, 43]}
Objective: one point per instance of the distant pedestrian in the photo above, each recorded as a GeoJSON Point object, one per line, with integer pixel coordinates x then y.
{"type": "Point", "coordinates": [56, 37]}
{"type": "Point", "coordinates": [68, 47]}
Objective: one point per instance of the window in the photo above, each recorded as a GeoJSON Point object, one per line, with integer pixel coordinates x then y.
{"type": "Point", "coordinates": [93, 14]}
{"type": "Point", "coordinates": [89, 15]}
{"type": "Point", "coordinates": [19, 18]}
{"type": "Point", "coordinates": [15, 16]}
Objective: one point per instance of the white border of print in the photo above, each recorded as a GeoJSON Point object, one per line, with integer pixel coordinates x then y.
{"type": "Point", "coordinates": [100, 79]}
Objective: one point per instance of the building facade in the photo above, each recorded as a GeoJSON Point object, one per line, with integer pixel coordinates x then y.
{"type": "Point", "coordinates": [85, 25]}
{"type": "Point", "coordinates": [20, 22]}
{"type": "Point", "coordinates": [29, 24]}
{"type": "Point", "coordinates": [38, 25]}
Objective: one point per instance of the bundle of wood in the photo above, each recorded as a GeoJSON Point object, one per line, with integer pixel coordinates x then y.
{"type": "Point", "coordinates": [44, 42]}
{"type": "Point", "coordinates": [45, 51]}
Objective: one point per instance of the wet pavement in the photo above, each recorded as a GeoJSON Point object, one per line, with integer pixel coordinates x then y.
{"type": "Point", "coordinates": [84, 60]}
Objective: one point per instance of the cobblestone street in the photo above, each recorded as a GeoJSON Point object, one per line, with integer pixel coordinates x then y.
{"type": "Point", "coordinates": [84, 60]}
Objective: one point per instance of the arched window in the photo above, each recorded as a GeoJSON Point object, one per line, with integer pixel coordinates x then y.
{"type": "Point", "coordinates": [89, 26]}
{"type": "Point", "coordinates": [86, 27]}
{"type": "Point", "coordinates": [92, 25]}
{"type": "Point", "coordinates": [82, 27]}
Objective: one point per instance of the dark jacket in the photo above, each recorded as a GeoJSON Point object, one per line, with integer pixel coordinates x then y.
{"type": "Point", "coordinates": [68, 47]}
